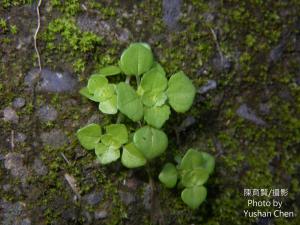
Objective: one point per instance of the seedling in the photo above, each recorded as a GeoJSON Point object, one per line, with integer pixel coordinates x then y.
{"type": "Point", "coordinates": [148, 103]}
{"type": "Point", "coordinates": [191, 174]}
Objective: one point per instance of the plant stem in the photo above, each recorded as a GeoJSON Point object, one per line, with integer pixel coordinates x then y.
{"type": "Point", "coordinates": [137, 78]}
{"type": "Point", "coordinates": [127, 81]}
{"type": "Point", "coordinates": [120, 118]}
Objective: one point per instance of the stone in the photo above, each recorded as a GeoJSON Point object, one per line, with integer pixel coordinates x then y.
{"type": "Point", "coordinates": [18, 103]}
{"type": "Point", "coordinates": [10, 115]}
{"type": "Point", "coordinates": [95, 25]}
{"type": "Point", "coordinates": [47, 113]}
{"type": "Point", "coordinates": [26, 221]}
{"type": "Point", "coordinates": [93, 198]}
{"type": "Point", "coordinates": [210, 85]}
{"type": "Point", "coordinates": [99, 215]}
{"type": "Point", "coordinates": [124, 35]}
{"type": "Point", "coordinates": [221, 64]}
{"type": "Point", "coordinates": [95, 118]}
{"type": "Point", "coordinates": [51, 81]}
{"type": "Point", "coordinates": [276, 53]}
{"type": "Point", "coordinates": [39, 167]}
{"type": "Point", "coordinates": [171, 13]}
{"type": "Point", "coordinates": [55, 138]}
{"type": "Point", "coordinates": [147, 197]}
{"type": "Point", "coordinates": [20, 137]}
{"type": "Point", "coordinates": [14, 163]}
{"type": "Point", "coordinates": [126, 197]}
{"type": "Point", "coordinates": [12, 213]}
{"type": "Point", "coordinates": [186, 123]}
{"type": "Point", "coordinates": [245, 112]}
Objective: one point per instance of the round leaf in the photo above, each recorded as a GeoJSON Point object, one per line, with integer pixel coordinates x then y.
{"type": "Point", "coordinates": [150, 141]}
{"type": "Point", "coordinates": [154, 81]}
{"type": "Point", "coordinates": [194, 196]}
{"type": "Point", "coordinates": [195, 177]}
{"type": "Point", "coordinates": [191, 160]}
{"type": "Point", "coordinates": [85, 92]}
{"type": "Point", "coordinates": [168, 176]}
{"type": "Point", "coordinates": [118, 132]}
{"type": "Point", "coordinates": [100, 149]}
{"type": "Point", "coordinates": [96, 81]}
{"type": "Point", "coordinates": [181, 92]}
{"type": "Point", "coordinates": [108, 156]}
{"type": "Point", "coordinates": [136, 59]}
{"type": "Point", "coordinates": [154, 98]}
{"type": "Point", "coordinates": [109, 106]}
{"type": "Point", "coordinates": [129, 103]}
{"type": "Point", "coordinates": [209, 162]}
{"type": "Point", "coordinates": [157, 116]}
{"type": "Point", "coordinates": [89, 136]}
{"type": "Point", "coordinates": [132, 157]}
{"type": "Point", "coordinates": [105, 92]}
{"type": "Point", "coordinates": [110, 71]}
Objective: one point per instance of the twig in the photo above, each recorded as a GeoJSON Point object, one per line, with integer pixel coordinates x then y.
{"type": "Point", "coordinates": [65, 158]}
{"type": "Point", "coordinates": [217, 43]}
{"type": "Point", "coordinates": [12, 140]}
{"type": "Point", "coordinates": [73, 184]}
{"type": "Point", "coordinates": [36, 33]}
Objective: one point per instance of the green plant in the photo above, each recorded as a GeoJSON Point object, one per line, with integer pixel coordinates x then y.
{"type": "Point", "coordinates": [192, 171]}
{"type": "Point", "coordinates": [149, 106]}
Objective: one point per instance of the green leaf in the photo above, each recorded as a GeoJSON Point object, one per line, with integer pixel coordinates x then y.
{"type": "Point", "coordinates": [100, 148]}
{"type": "Point", "coordinates": [136, 59]}
{"type": "Point", "coordinates": [109, 155]}
{"type": "Point", "coordinates": [150, 141]}
{"type": "Point", "coordinates": [132, 157]}
{"type": "Point", "coordinates": [157, 66]}
{"type": "Point", "coordinates": [110, 71]}
{"type": "Point", "coordinates": [89, 135]}
{"type": "Point", "coordinates": [157, 116]}
{"type": "Point", "coordinates": [109, 106]}
{"type": "Point", "coordinates": [209, 162]}
{"type": "Point", "coordinates": [181, 92]}
{"type": "Point", "coordinates": [154, 81]}
{"type": "Point", "coordinates": [96, 81]}
{"type": "Point", "coordinates": [194, 196]}
{"type": "Point", "coordinates": [105, 92]}
{"type": "Point", "coordinates": [129, 103]}
{"type": "Point", "coordinates": [195, 177]}
{"type": "Point", "coordinates": [154, 98]}
{"type": "Point", "coordinates": [118, 132]}
{"type": "Point", "coordinates": [168, 176]}
{"type": "Point", "coordinates": [85, 92]}
{"type": "Point", "coordinates": [191, 160]}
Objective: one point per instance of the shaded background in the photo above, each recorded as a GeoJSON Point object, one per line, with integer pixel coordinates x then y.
{"type": "Point", "coordinates": [244, 58]}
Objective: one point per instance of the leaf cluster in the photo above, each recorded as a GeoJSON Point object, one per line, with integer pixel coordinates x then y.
{"type": "Point", "coordinates": [190, 174]}
{"type": "Point", "coordinates": [149, 104]}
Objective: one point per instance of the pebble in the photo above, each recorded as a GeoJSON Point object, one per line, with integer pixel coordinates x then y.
{"type": "Point", "coordinates": [10, 115]}
{"type": "Point", "coordinates": [93, 198]}
{"type": "Point", "coordinates": [47, 113]}
{"type": "Point", "coordinates": [126, 197]}
{"type": "Point", "coordinates": [245, 112]}
{"type": "Point", "coordinates": [51, 81]}
{"type": "Point", "coordinates": [55, 138]}
{"type": "Point", "coordinates": [14, 163]}
{"type": "Point", "coordinates": [39, 167]}
{"type": "Point", "coordinates": [210, 85]}
{"type": "Point", "coordinates": [171, 13]}
{"type": "Point", "coordinates": [18, 103]}
{"type": "Point", "coordinates": [102, 214]}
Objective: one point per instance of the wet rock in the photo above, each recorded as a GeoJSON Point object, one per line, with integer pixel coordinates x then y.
{"type": "Point", "coordinates": [147, 197]}
{"type": "Point", "coordinates": [221, 64]}
{"type": "Point", "coordinates": [12, 213]}
{"type": "Point", "coordinates": [124, 35]}
{"type": "Point", "coordinates": [186, 123]}
{"type": "Point", "coordinates": [89, 24]}
{"type": "Point", "coordinates": [95, 118]}
{"type": "Point", "coordinates": [55, 138]}
{"type": "Point", "coordinates": [26, 221]}
{"type": "Point", "coordinates": [245, 112]}
{"type": "Point", "coordinates": [18, 103]}
{"type": "Point", "coordinates": [210, 85]}
{"type": "Point", "coordinates": [39, 167]}
{"type": "Point", "coordinates": [102, 214]}
{"type": "Point", "coordinates": [171, 13]}
{"type": "Point", "coordinates": [264, 108]}
{"type": "Point", "coordinates": [10, 115]}
{"type": "Point", "coordinates": [51, 81]}
{"type": "Point", "coordinates": [126, 197]}
{"type": "Point", "coordinates": [14, 163]}
{"type": "Point", "coordinates": [93, 198]}
{"type": "Point", "coordinates": [20, 137]}
{"type": "Point", "coordinates": [47, 113]}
